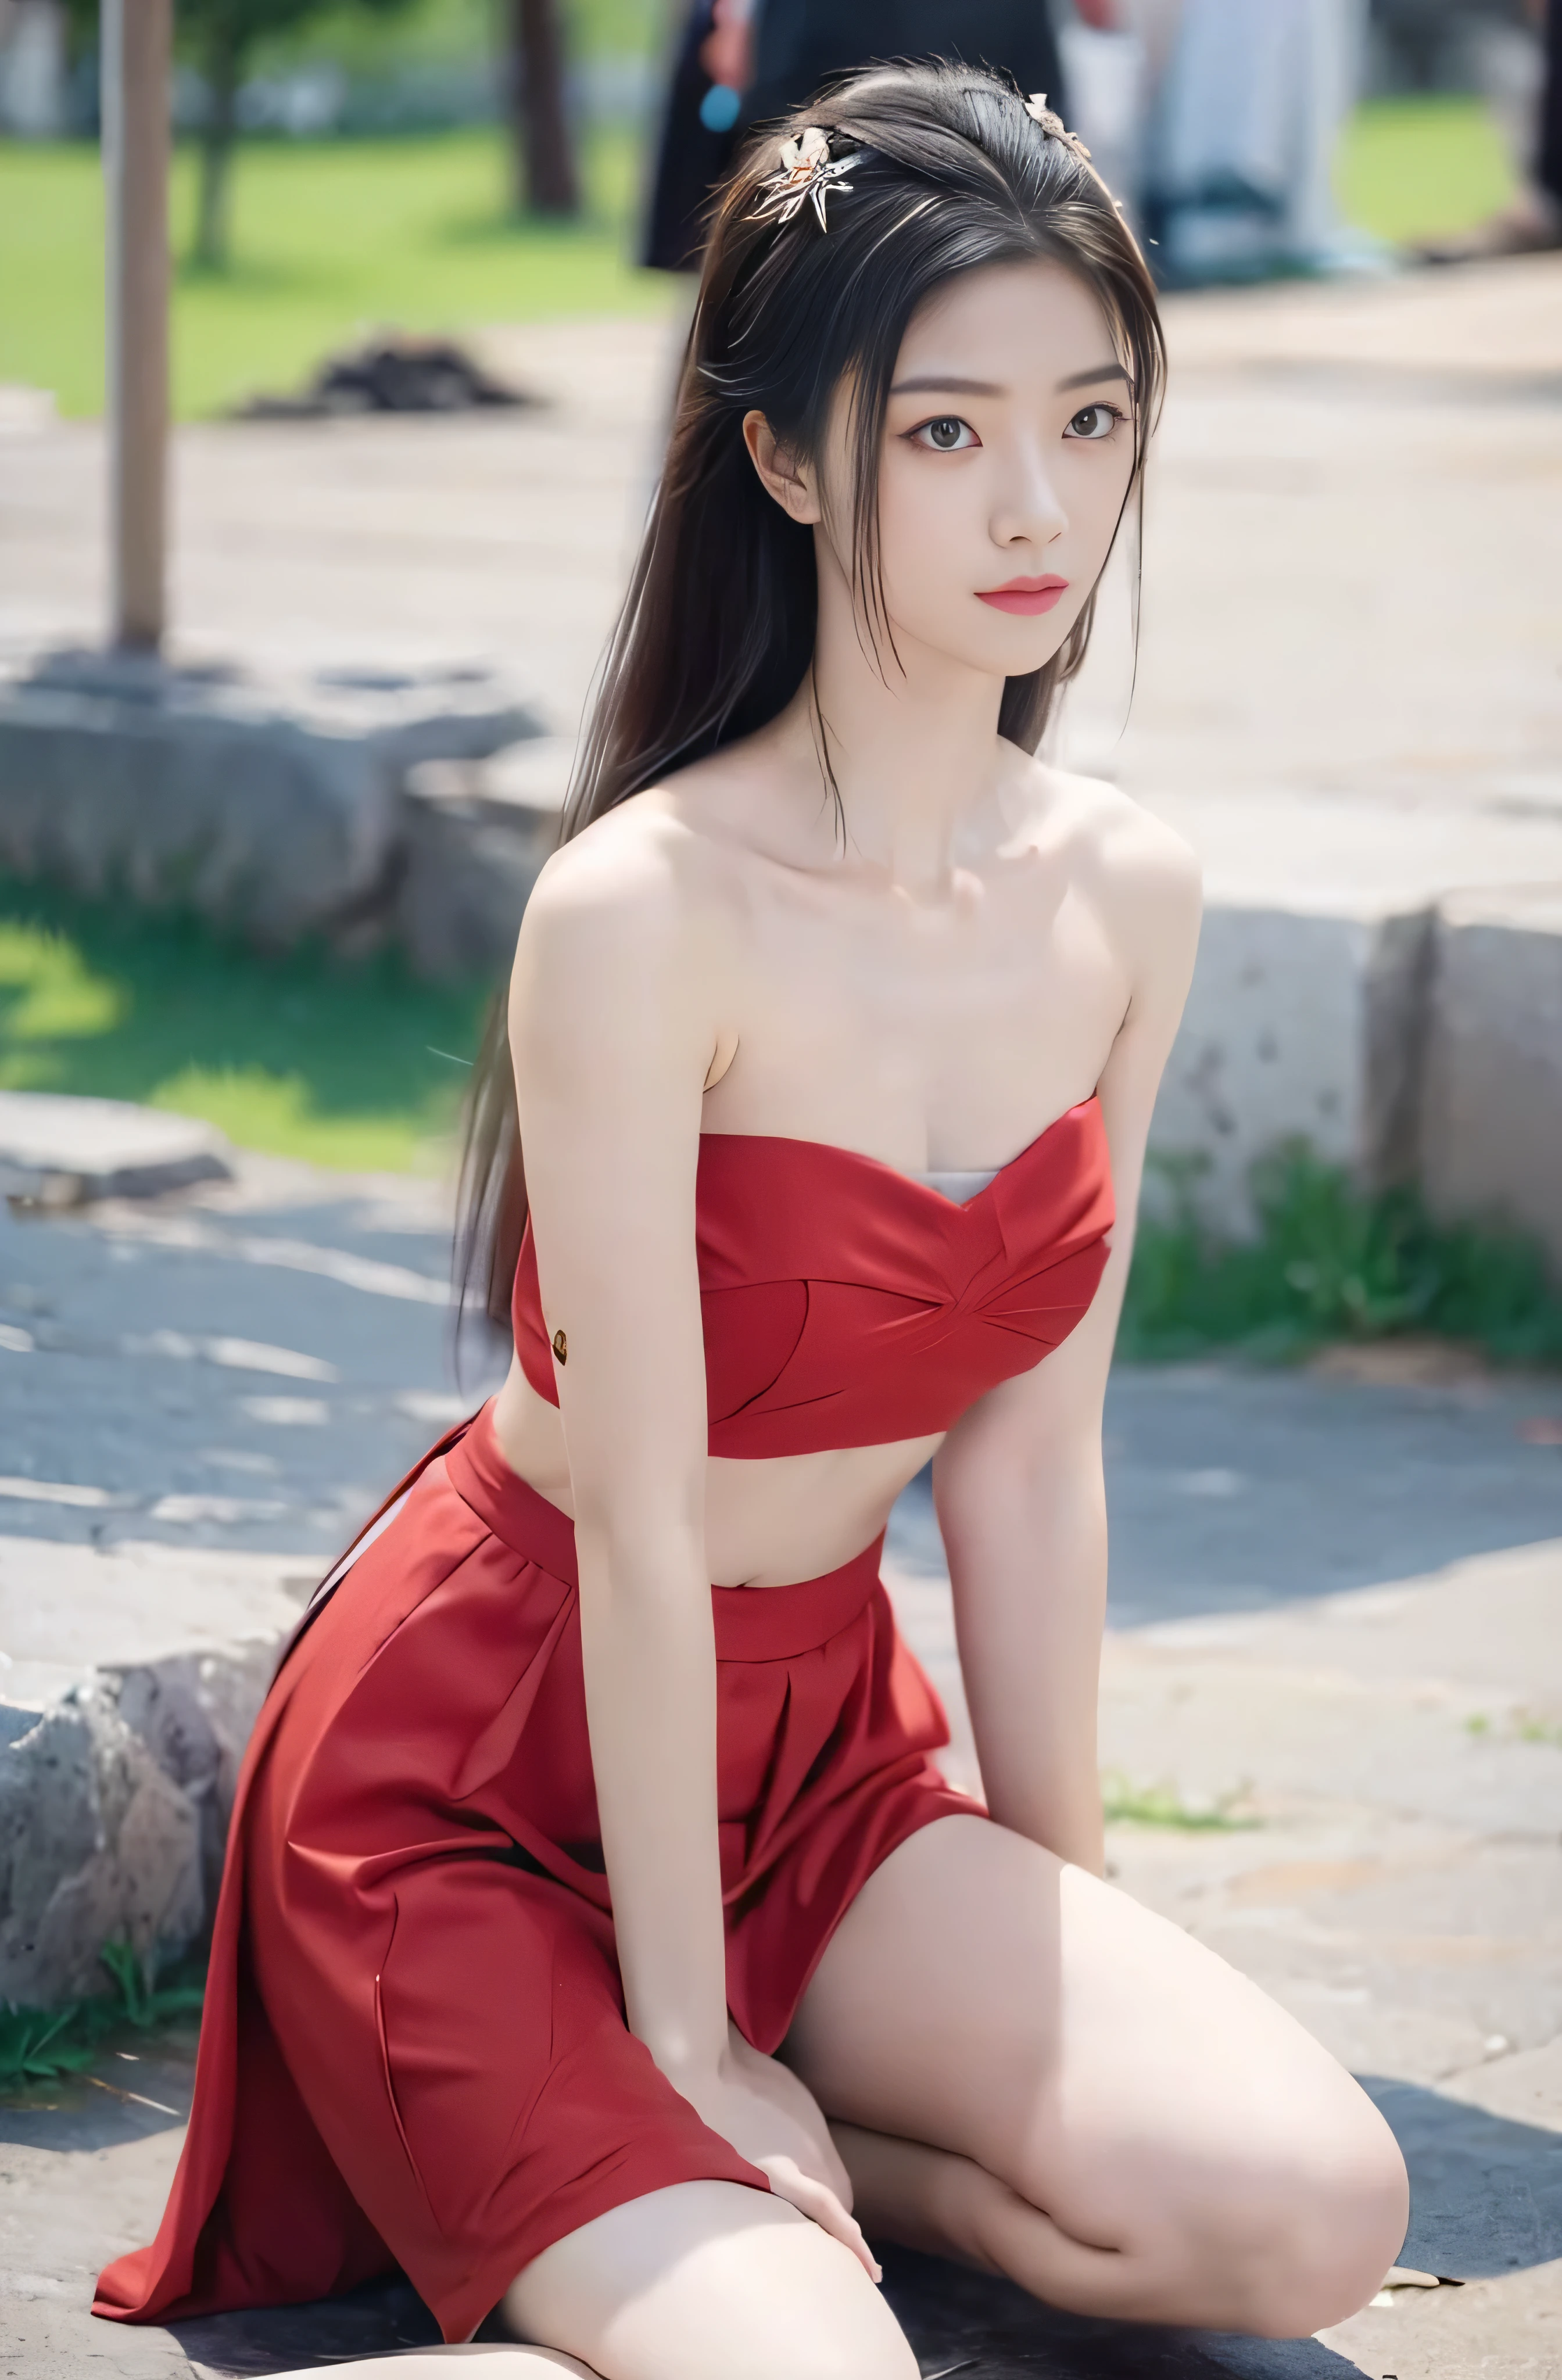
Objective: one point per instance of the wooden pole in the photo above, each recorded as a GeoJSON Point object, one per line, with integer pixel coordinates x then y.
{"type": "Point", "coordinates": [548, 181]}
{"type": "Point", "coordinates": [137, 36]}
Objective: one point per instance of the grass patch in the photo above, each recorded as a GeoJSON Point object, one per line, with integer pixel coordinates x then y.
{"type": "Point", "coordinates": [1412, 168]}
{"type": "Point", "coordinates": [1124, 1804]}
{"type": "Point", "coordinates": [343, 1065]}
{"type": "Point", "coordinates": [1521, 1727]}
{"type": "Point", "coordinates": [42, 2045]}
{"type": "Point", "coordinates": [1332, 1263]}
{"type": "Point", "coordinates": [329, 238]}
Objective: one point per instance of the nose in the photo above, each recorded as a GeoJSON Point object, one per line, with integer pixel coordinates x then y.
{"type": "Point", "coordinates": [1029, 510]}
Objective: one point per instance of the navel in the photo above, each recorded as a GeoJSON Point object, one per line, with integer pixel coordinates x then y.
{"type": "Point", "coordinates": [561, 1347]}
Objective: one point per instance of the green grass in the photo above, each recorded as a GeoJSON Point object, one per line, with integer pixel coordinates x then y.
{"type": "Point", "coordinates": [305, 1057]}
{"type": "Point", "coordinates": [42, 2045]}
{"type": "Point", "coordinates": [329, 238]}
{"type": "Point", "coordinates": [1411, 168]}
{"type": "Point", "coordinates": [1124, 1804]}
{"type": "Point", "coordinates": [1331, 1263]}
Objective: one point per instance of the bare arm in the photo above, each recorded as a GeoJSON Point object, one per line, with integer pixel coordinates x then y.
{"type": "Point", "coordinates": [1018, 1483]}
{"type": "Point", "coordinates": [611, 1049]}
{"type": "Point", "coordinates": [613, 1029]}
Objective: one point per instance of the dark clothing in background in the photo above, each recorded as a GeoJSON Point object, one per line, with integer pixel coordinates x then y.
{"type": "Point", "coordinates": [690, 160]}
{"type": "Point", "coordinates": [800, 45]}
{"type": "Point", "coordinates": [1548, 164]}
{"type": "Point", "coordinates": [803, 44]}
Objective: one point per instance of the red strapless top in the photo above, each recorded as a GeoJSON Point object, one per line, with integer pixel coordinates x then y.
{"type": "Point", "coordinates": [847, 1304]}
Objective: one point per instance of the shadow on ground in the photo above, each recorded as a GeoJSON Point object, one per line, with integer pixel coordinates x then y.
{"type": "Point", "coordinates": [1486, 2200]}
{"type": "Point", "coordinates": [1234, 1489]}
{"type": "Point", "coordinates": [1485, 2192]}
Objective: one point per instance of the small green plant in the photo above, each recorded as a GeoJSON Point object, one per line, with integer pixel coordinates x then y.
{"type": "Point", "coordinates": [1125, 1804]}
{"type": "Point", "coordinates": [42, 2045]}
{"type": "Point", "coordinates": [1330, 1262]}
{"type": "Point", "coordinates": [1522, 1727]}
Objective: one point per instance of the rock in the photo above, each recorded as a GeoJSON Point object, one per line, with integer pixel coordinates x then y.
{"type": "Point", "coordinates": [1492, 1124]}
{"type": "Point", "coordinates": [60, 1152]}
{"type": "Point", "coordinates": [476, 836]}
{"type": "Point", "coordinates": [264, 804]}
{"type": "Point", "coordinates": [96, 1844]}
{"type": "Point", "coordinates": [129, 1684]}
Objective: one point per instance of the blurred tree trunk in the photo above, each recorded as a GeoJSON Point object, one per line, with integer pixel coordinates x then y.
{"type": "Point", "coordinates": [548, 181]}
{"type": "Point", "coordinates": [220, 62]}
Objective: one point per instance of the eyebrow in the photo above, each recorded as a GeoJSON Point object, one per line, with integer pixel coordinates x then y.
{"type": "Point", "coordinates": [946, 384]}
{"type": "Point", "coordinates": [950, 384]}
{"type": "Point", "coordinates": [1098, 372]}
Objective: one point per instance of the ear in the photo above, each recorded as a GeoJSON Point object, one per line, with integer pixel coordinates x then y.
{"type": "Point", "coordinates": [790, 481]}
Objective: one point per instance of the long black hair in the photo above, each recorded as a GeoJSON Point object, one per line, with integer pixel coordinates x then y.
{"type": "Point", "coordinates": [950, 171]}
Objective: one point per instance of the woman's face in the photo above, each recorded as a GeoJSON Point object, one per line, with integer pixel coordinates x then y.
{"type": "Point", "coordinates": [1007, 453]}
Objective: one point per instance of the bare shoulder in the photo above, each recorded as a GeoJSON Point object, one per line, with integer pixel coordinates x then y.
{"type": "Point", "coordinates": [1128, 851]}
{"type": "Point", "coordinates": [1142, 876]}
{"type": "Point", "coordinates": [635, 886]}
{"type": "Point", "coordinates": [623, 962]}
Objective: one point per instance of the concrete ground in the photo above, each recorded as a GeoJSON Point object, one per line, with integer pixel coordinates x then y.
{"type": "Point", "coordinates": [1336, 1598]}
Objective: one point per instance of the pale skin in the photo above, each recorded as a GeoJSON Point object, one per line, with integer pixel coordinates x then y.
{"type": "Point", "coordinates": [1001, 2057]}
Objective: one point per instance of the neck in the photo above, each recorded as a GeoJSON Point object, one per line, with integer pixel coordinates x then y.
{"type": "Point", "coordinates": [912, 742]}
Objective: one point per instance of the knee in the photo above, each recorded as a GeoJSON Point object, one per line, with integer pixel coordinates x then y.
{"type": "Point", "coordinates": [1319, 2230]}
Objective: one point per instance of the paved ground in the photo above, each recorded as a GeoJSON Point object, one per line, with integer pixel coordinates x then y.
{"type": "Point", "coordinates": [1334, 1609]}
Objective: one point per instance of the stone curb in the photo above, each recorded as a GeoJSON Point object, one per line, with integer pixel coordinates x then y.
{"type": "Point", "coordinates": [266, 805]}
{"type": "Point", "coordinates": [60, 1151]}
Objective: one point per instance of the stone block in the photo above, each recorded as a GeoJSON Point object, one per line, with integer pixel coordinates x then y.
{"type": "Point", "coordinates": [267, 805]}
{"type": "Point", "coordinates": [1491, 1114]}
{"type": "Point", "coordinates": [129, 1685]}
{"type": "Point", "coordinates": [96, 1844]}
{"type": "Point", "coordinates": [1302, 1023]}
{"type": "Point", "coordinates": [60, 1152]}
{"type": "Point", "coordinates": [475, 836]}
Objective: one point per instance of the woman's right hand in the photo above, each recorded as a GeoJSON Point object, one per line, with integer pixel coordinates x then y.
{"type": "Point", "coordinates": [773, 2120]}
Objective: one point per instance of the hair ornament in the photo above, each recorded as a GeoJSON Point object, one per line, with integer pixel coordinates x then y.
{"type": "Point", "coordinates": [806, 173]}
{"type": "Point", "coordinates": [1051, 124]}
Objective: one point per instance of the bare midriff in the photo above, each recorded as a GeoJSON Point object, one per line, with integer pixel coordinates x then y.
{"type": "Point", "coordinates": [767, 1523]}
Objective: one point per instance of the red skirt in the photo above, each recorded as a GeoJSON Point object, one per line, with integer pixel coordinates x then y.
{"type": "Point", "coordinates": [414, 2052]}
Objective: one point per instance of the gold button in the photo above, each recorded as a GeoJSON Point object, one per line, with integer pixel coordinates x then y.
{"type": "Point", "coordinates": [561, 1347]}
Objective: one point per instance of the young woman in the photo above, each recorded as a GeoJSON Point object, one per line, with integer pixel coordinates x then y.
{"type": "Point", "coordinates": [594, 1939]}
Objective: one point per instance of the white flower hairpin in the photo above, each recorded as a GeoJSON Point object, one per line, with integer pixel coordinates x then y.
{"type": "Point", "coordinates": [806, 172]}
{"type": "Point", "coordinates": [1051, 124]}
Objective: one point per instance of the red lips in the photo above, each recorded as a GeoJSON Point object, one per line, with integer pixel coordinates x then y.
{"type": "Point", "coordinates": [1025, 596]}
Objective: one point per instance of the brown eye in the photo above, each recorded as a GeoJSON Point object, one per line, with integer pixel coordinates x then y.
{"type": "Point", "coordinates": [945, 434]}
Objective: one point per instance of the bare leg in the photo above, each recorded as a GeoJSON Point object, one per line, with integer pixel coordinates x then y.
{"type": "Point", "coordinates": [499, 2363]}
{"type": "Point", "coordinates": [710, 2281]}
{"type": "Point", "coordinates": [1029, 2071]}
{"type": "Point", "coordinates": [704, 2281]}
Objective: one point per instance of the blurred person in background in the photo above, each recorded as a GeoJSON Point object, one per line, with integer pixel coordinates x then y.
{"type": "Point", "coordinates": [1530, 113]}
{"type": "Point", "coordinates": [743, 61]}
{"type": "Point", "coordinates": [1218, 121]}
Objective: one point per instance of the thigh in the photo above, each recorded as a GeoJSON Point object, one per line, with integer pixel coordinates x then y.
{"type": "Point", "coordinates": [984, 1998]}
{"type": "Point", "coordinates": [707, 2281]}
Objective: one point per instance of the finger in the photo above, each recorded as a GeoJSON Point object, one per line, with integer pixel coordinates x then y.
{"type": "Point", "coordinates": [822, 2206]}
